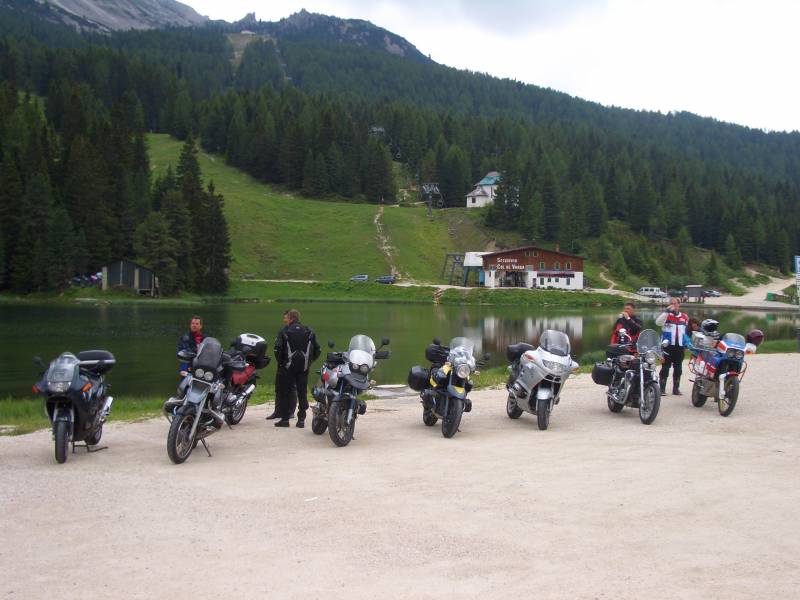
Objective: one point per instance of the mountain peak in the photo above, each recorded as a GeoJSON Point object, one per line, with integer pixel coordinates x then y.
{"type": "Point", "coordinates": [109, 15]}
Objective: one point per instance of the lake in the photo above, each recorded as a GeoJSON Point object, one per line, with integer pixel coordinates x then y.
{"type": "Point", "coordinates": [143, 337]}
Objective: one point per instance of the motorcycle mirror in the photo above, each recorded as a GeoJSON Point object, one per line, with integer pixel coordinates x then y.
{"type": "Point", "coordinates": [37, 360]}
{"type": "Point", "coordinates": [331, 343]}
{"type": "Point", "coordinates": [385, 341]}
{"type": "Point", "coordinates": [437, 342]}
{"type": "Point", "coordinates": [186, 355]}
{"type": "Point", "coordinates": [372, 383]}
{"type": "Point", "coordinates": [486, 356]}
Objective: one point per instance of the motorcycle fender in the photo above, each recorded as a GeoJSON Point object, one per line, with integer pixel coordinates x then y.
{"type": "Point", "coordinates": [544, 393]}
{"type": "Point", "coordinates": [63, 414]}
{"type": "Point", "coordinates": [197, 393]}
{"type": "Point", "coordinates": [456, 392]}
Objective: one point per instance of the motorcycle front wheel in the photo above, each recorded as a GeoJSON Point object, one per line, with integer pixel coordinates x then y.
{"type": "Point", "coordinates": [180, 441]}
{"type": "Point", "coordinates": [341, 433]}
{"type": "Point", "coordinates": [698, 399]}
{"type": "Point", "coordinates": [543, 414]}
{"type": "Point", "coordinates": [649, 405]}
{"type": "Point", "coordinates": [237, 414]}
{"type": "Point", "coordinates": [61, 431]}
{"type": "Point", "coordinates": [727, 404]}
{"type": "Point", "coordinates": [452, 420]}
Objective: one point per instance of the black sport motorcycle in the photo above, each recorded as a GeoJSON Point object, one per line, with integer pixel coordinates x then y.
{"type": "Point", "coordinates": [443, 388]}
{"type": "Point", "coordinates": [344, 376]}
{"type": "Point", "coordinates": [76, 398]}
{"type": "Point", "coordinates": [631, 374]}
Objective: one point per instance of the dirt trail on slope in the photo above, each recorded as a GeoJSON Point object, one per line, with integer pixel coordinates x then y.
{"type": "Point", "coordinates": [384, 243]}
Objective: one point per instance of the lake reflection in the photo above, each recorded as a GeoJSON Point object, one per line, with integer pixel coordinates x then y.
{"type": "Point", "coordinates": [143, 337]}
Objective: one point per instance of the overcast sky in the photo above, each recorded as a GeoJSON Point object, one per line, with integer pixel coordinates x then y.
{"type": "Point", "coordinates": [735, 60]}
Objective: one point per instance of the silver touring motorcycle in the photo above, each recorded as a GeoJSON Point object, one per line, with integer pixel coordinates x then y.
{"type": "Point", "coordinates": [537, 376]}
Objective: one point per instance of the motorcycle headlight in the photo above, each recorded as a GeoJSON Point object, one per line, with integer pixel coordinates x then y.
{"type": "Point", "coordinates": [731, 353]}
{"type": "Point", "coordinates": [363, 369]}
{"type": "Point", "coordinates": [650, 357]}
{"type": "Point", "coordinates": [199, 373]}
{"type": "Point", "coordinates": [554, 366]}
{"type": "Point", "coordinates": [208, 376]}
{"type": "Point", "coordinates": [739, 354]}
{"type": "Point", "coordinates": [462, 371]}
{"type": "Point", "coordinates": [59, 387]}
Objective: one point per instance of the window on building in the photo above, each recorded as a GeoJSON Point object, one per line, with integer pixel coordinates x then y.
{"type": "Point", "coordinates": [569, 266]}
{"type": "Point", "coordinates": [549, 279]}
{"type": "Point", "coordinates": [473, 200]}
{"type": "Point", "coordinates": [566, 281]}
{"type": "Point", "coordinates": [541, 280]}
{"type": "Point", "coordinates": [527, 253]}
{"type": "Point", "coordinates": [556, 279]}
{"type": "Point", "coordinates": [541, 265]}
{"type": "Point", "coordinates": [536, 253]}
{"type": "Point", "coordinates": [557, 265]}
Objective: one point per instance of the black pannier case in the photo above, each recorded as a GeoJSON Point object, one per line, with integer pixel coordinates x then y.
{"type": "Point", "coordinates": [602, 374]}
{"type": "Point", "coordinates": [418, 378]}
{"type": "Point", "coordinates": [254, 347]}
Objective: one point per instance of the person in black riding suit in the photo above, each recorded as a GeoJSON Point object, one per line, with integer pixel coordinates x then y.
{"type": "Point", "coordinates": [296, 348]}
{"type": "Point", "coordinates": [628, 322]}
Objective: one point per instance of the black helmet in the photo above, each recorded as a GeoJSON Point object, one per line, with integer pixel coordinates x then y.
{"type": "Point", "coordinates": [710, 327]}
{"type": "Point", "coordinates": [755, 337]}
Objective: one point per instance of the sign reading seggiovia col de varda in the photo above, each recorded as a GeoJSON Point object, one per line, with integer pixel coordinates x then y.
{"type": "Point", "coordinates": [532, 267]}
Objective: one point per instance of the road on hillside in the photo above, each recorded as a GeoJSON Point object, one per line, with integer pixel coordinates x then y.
{"type": "Point", "coordinates": [598, 506]}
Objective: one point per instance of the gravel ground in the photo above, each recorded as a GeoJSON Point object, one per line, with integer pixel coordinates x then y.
{"type": "Point", "coordinates": [598, 506]}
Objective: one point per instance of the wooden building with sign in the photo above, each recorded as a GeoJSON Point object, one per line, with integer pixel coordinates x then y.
{"type": "Point", "coordinates": [533, 267]}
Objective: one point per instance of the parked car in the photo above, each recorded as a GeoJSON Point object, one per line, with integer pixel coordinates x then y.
{"type": "Point", "coordinates": [386, 279]}
{"type": "Point", "coordinates": [359, 278]}
{"type": "Point", "coordinates": [652, 292]}
{"type": "Point", "coordinates": [712, 294]}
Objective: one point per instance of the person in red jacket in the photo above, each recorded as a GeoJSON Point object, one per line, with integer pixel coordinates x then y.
{"type": "Point", "coordinates": [673, 325]}
{"type": "Point", "coordinates": [627, 320]}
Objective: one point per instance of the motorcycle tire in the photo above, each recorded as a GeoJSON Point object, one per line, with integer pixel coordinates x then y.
{"type": "Point", "coordinates": [698, 399]}
{"type": "Point", "coordinates": [318, 425]}
{"type": "Point", "coordinates": [179, 446]}
{"type": "Point", "coordinates": [613, 406]}
{"type": "Point", "coordinates": [452, 420]}
{"type": "Point", "coordinates": [543, 414]}
{"type": "Point", "coordinates": [235, 416]}
{"type": "Point", "coordinates": [429, 418]}
{"type": "Point", "coordinates": [94, 439]}
{"type": "Point", "coordinates": [649, 405]}
{"type": "Point", "coordinates": [61, 431]}
{"type": "Point", "coordinates": [512, 410]}
{"type": "Point", "coordinates": [341, 433]}
{"type": "Point", "coordinates": [726, 405]}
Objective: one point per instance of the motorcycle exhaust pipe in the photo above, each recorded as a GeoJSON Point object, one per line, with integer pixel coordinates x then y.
{"type": "Point", "coordinates": [249, 390]}
{"type": "Point", "coordinates": [219, 418]}
{"type": "Point", "coordinates": [106, 407]}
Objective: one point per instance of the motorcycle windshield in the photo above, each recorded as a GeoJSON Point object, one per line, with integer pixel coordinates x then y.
{"type": "Point", "coordinates": [555, 342]}
{"type": "Point", "coordinates": [734, 339]}
{"type": "Point", "coordinates": [363, 343]}
{"type": "Point", "coordinates": [464, 343]}
{"type": "Point", "coordinates": [209, 354]}
{"type": "Point", "coordinates": [62, 369]}
{"type": "Point", "coordinates": [461, 351]}
{"type": "Point", "coordinates": [648, 341]}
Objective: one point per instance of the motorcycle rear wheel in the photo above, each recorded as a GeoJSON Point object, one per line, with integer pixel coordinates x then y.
{"type": "Point", "coordinates": [61, 430]}
{"type": "Point", "coordinates": [428, 417]}
{"type": "Point", "coordinates": [237, 414]}
{"type": "Point", "coordinates": [341, 433]}
{"type": "Point", "coordinates": [512, 410]}
{"type": "Point", "coordinates": [179, 440]}
{"type": "Point", "coordinates": [543, 414]}
{"type": "Point", "coordinates": [319, 425]}
{"type": "Point", "coordinates": [727, 404]}
{"type": "Point", "coordinates": [94, 439]}
{"type": "Point", "coordinates": [698, 399]}
{"type": "Point", "coordinates": [452, 420]}
{"type": "Point", "coordinates": [613, 406]}
{"type": "Point", "coordinates": [649, 405]}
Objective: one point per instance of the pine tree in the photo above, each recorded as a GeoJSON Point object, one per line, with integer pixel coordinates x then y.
{"type": "Point", "coordinates": [62, 247]}
{"type": "Point", "coordinates": [377, 172]}
{"type": "Point", "coordinates": [156, 248]}
{"type": "Point", "coordinates": [308, 175]}
{"type": "Point", "coordinates": [30, 262]}
{"type": "Point", "coordinates": [179, 222]}
{"type": "Point", "coordinates": [213, 244]}
{"type": "Point", "coordinates": [320, 182]}
{"type": "Point", "coordinates": [732, 256]}
{"type": "Point", "coordinates": [11, 192]}
{"type": "Point", "coordinates": [336, 169]}
{"type": "Point", "coordinates": [2, 261]}
{"type": "Point", "coordinates": [712, 272]}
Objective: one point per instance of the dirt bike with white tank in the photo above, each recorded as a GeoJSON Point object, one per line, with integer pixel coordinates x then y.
{"type": "Point", "coordinates": [537, 376]}
{"type": "Point", "coordinates": [343, 376]}
{"type": "Point", "coordinates": [444, 387]}
{"type": "Point", "coordinates": [76, 398]}
{"type": "Point", "coordinates": [631, 375]}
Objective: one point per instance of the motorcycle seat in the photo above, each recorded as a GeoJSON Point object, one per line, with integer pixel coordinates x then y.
{"type": "Point", "coordinates": [514, 351]}
{"type": "Point", "coordinates": [615, 350]}
{"type": "Point", "coordinates": [90, 359]}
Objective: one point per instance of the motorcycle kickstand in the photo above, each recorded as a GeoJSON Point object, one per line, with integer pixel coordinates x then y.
{"type": "Point", "coordinates": [89, 449]}
{"type": "Point", "coordinates": [203, 441]}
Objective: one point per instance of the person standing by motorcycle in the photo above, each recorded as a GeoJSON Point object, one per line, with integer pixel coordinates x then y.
{"type": "Point", "coordinates": [296, 348]}
{"type": "Point", "coordinates": [190, 340]}
{"type": "Point", "coordinates": [629, 322]}
{"type": "Point", "coordinates": [673, 325]}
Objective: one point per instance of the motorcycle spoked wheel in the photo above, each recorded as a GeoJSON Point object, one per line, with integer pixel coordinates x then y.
{"type": "Point", "coordinates": [649, 405]}
{"type": "Point", "coordinates": [319, 424]}
{"type": "Point", "coordinates": [512, 410]}
{"type": "Point", "coordinates": [180, 441]}
{"type": "Point", "coordinates": [235, 416]}
{"type": "Point", "coordinates": [726, 405]}
{"type": "Point", "coordinates": [698, 399]}
{"type": "Point", "coordinates": [341, 433]}
{"type": "Point", "coordinates": [61, 432]}
{"type": "Point", "coordinates": [429, 417]}
{"type": "Point", "coordinates": [543, 414]}
{"type": "Point", "coordinates": [452, 419]}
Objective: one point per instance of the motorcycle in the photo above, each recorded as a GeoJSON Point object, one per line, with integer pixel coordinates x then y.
{"type": "Point", "coordinates": [247, 355]}
{"type": "Point", "coordinates": [631, 376]}
{"type": "Point", "coordinates": [718, 369]}
{"type": "Point", "coordinates": [196, 412]}
{"type": "Point", "coordinates": [537, 376]}
{"type": "Point", "coordinates": [443, 388]}
{"type": "Point", "coordinates": [343, 376]}
{"type": "Point", "coordinates": [76, 398]}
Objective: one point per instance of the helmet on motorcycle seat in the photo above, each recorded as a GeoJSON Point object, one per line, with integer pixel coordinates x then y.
{"type": "Point", "coordinates": [710, 327]}
{"type": "Point", "coordinates": [755, 337]}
